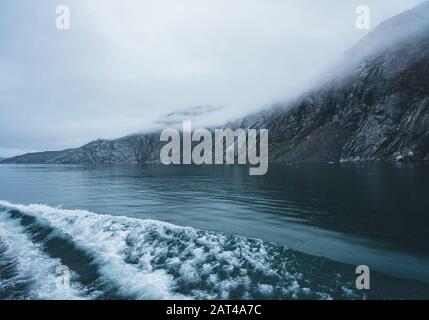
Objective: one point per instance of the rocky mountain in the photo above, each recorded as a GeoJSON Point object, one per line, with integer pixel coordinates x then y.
{"type": "Point", "coordinates": [130, 149]}
{"type": "Point", "coordinates": [373, 106]}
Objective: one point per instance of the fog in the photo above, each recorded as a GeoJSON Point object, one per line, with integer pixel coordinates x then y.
{"type": "Point", "coordinates": [123, 65]}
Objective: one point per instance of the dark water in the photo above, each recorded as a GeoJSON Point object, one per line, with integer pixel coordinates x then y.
{"type": "Point", "coordinates": [298, 232]}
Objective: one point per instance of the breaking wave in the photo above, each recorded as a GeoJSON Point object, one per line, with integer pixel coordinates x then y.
{"type": "Point", "coordinates": [115, 257]}
{"type": "Point", "coordinates": [25, 271]}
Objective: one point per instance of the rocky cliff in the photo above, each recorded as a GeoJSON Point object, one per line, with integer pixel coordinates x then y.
{"type": "Point", "coordinates": [376, 107]}
{"type": "Point", "coordinates": [135, 149]}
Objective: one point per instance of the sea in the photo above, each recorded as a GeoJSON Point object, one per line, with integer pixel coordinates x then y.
{"type": "Point", "coordinates": [214, 232]}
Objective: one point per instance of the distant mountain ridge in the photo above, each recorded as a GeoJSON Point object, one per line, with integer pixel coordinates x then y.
{"type": "Point", "coordinates": [375, 106]}
{"type": "Point", "coordinates": [34, 157]}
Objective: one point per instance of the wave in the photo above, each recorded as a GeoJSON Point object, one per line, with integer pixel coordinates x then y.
{"type": "Point", "coordinates": [26, 272]}
{"type": "Point", "coordinates": [128, 258]}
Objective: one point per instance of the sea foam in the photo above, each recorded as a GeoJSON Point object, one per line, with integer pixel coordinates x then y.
{"type": "Point", "coordinates": [148, 259]}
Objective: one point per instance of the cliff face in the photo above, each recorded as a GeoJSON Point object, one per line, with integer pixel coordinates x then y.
{"type": "Point", "coordinates": [374, 107]}
{"type": "Point", "coordinates": [377, 109]}
{"type": "Point", "coordinates": [377, 114]}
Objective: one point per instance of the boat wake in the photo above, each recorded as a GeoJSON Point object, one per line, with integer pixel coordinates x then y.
{"type": "Point", "coordinates": [115, 257]}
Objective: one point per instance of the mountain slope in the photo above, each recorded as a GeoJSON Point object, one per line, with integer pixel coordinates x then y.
{"type": "Point", "coordinates": [130, 149]}
{"type": "Point", "coordinates": [35, 157]}
{"type": "Point", "coordinates": [373, 106]}
{"type": "Point", "coordinates": [377, 110]}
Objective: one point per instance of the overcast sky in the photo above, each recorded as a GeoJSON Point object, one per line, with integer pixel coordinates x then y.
{"type": "Point", "coordinates": [123, 64]}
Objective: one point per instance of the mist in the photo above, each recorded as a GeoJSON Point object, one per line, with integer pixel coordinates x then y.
{"type": "Point", "coordinates": [124, 65]}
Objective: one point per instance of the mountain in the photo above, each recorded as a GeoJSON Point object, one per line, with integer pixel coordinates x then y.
{"type": "Point", "coordinates": [130, 149]}
{"type": "Point", "coordinates": [374, 105]}
{"type": "Point", "coordinates": [36, 157]}
{"type": "Point", "coordinates": [376, 108]}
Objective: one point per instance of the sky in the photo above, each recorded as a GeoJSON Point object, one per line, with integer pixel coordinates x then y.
{"type": "Point", "coordinates": [124, 64]}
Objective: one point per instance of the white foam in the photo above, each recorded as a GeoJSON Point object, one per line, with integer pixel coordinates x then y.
{"type": "Point", "coordinates": [33, 266]}
{"type": "Point", "coordinates": [150, 259]}
{"type": "Point", "coordinates": [105, 239]}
